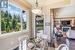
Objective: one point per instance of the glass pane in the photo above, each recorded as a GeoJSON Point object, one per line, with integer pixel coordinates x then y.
{"type": "Point", "coordinates": [15, 13]}
{"type": "Point", "coordinates": [5, 20]}
{"type": "Point", "coordinates": [24, 21]}
{"type": "Point", "coordinates": [39, 24]}
{"type": "Point", "coordinates": [10, 19]}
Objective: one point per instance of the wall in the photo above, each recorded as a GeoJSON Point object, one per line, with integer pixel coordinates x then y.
{"type": "Point", "coordinates": [47, 21]}
{"type": "Point", "coordinates": [65, 12]}
{"type": "Point", "coordinates": [11, 40]}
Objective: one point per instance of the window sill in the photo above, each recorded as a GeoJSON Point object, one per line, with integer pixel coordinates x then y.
{"type": "Point", "coordinates": [13, 34]}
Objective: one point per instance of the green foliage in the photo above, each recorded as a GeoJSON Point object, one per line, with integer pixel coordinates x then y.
{"type": "Point", "coordinates": [24, 25]}
{"type": "Point", "coordinates": [9, 23]}
{"type": "Point", "coordinates": [40, 25]}
{"type": "Point", "coordinates": [2, 25]}
{"type": "Point", "coordinates": [15, 23]}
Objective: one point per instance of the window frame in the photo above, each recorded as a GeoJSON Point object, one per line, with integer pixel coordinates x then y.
{"type": "Point", "coordinates": [22, 30]}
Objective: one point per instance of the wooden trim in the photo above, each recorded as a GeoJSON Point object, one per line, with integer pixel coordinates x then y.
{"type": "Point", "coordinates": [21, 3]}
{"type": "Point", "coordinates": [65, 18]}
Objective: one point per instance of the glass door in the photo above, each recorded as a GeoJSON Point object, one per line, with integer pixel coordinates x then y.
{"type": "Point", "coordinates": [39, 25]}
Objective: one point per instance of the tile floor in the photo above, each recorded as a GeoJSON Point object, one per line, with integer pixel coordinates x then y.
{"type": "Point", "coordinates": [71, 44]}
{"type": "Point", "coordinates": [51, 48]}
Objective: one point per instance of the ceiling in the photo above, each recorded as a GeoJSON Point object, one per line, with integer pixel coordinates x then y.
{"type": "Point", "coordinates": [43, 2]}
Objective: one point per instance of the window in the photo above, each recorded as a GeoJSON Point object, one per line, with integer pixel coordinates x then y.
{"type": "Point", "coordinates": [39, 25]}
{"type": "Point", "coordinates": [24, 21]}
{"type": "Point", "coordinates": [13, 19]}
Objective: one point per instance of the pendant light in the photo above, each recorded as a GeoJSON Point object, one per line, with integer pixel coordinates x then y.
{"type": "Point", "coordinates": [36, 10]}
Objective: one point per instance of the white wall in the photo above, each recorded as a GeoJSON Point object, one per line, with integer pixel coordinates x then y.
{"type": "Point", "coordinates": [46, 11]}
{"type": "Point", "coordinates": [11, 41]}
{"type": "Point", "coordinates": [66, 12]}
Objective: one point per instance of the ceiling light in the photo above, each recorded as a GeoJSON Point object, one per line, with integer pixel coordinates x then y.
{"type": "Point", "coordinates": [36, 10]}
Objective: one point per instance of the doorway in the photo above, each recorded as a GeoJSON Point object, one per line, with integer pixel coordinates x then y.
{"type": "Point", "coordinates": [39, 25]}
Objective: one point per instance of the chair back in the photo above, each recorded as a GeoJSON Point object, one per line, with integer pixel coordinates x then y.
{"type": "Point", "coordinates": [63, 47]}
